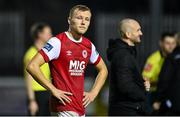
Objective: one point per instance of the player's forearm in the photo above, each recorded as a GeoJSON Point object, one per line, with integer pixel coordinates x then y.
{"type": "Point", "coordinates": [30, 91]}
{"type": "Point", "coordinates": [100, 80]}
{"type": "Point", "coordinates": [37, 74]}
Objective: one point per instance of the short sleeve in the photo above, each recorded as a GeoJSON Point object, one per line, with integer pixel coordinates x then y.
{"type": "Point", "coordinates": [95, 57]}
{"type": "Point", "coordinates": [51, 50]}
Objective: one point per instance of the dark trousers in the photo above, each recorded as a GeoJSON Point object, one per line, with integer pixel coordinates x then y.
{"type": "Point", "coordinates": [151, 97]}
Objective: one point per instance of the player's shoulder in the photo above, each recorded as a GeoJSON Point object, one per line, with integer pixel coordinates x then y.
{"type": "Point", "coordinates": [61, 36]}
{"type": "Point", "coordinates": [87, 41]}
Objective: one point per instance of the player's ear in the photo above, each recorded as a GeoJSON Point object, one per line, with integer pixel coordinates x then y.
{"type": "Point", "coordinates": [127, 34]}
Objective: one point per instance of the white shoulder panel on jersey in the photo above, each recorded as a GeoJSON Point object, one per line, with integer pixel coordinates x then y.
{"type": "Point", "coordinates": [94, 54]}
{"type": "Point", "coordinates": [52, 48]}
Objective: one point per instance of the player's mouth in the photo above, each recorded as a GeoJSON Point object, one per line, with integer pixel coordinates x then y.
{"type": "Point", "coordinates": [81, 27]}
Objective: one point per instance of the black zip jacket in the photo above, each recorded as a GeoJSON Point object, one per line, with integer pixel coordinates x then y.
{"type": "Point", "coordinates": [126, 83]}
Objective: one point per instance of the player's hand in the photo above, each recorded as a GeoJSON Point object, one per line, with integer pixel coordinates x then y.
{"type": "Point", "coordinates": [147, 84]}
{"type": "Point", "coordinates": [63, 96]}
{"type": "Point", "coordinates": [33, 107]}
{"type": "Point", "coordinates": [88, 98]}
{"type": "Point", "coordinates": [156, 105]}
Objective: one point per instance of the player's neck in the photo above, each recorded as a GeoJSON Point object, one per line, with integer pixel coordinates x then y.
{"type": "Point", "coordinates": [39, 44]}
{"type": "Point", "coordinates": [74, 35]}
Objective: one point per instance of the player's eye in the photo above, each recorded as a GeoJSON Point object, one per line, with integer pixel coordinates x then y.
{"type": "Point", "coordinates": [79, 17]}
{"type": "Point", "coordinates": [87, 19]}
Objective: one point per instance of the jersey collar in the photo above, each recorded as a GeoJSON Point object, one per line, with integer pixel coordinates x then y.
{"type": "Point", "coordinates": [72, 39]}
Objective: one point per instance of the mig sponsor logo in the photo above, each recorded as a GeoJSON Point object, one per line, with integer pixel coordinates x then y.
{"type": "Point", "coordinates": [76, 67]}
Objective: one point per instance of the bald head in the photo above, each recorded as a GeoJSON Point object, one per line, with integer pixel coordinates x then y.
{"type": "Point", "coordinates": [130, 29]}
{"type": "Point", "coordinates": [126, 25]}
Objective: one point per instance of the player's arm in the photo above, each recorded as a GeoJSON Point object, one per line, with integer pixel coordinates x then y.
{"type": "Point", "coordinates": [28, 80]}
{"type": "Point", "coordinates": [33, 106]}
{"type": "Point", "coordinates": [101, 77]}
{"type": "Point", "coordinates": [99, 82]}
{"type": "Point", "coordinates": [30, 92]}
{"type": "Point", "coordinates": [34, 69]}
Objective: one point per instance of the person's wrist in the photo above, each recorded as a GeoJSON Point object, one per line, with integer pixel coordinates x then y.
{"type": "Point", "coordinates": [53, 90]}
{"type": "Point", "coordinates": [32, 100]}
{"type": "Point", "coordinates": [94, 93]}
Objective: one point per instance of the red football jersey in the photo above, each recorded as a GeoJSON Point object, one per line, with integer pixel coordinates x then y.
{"type": "Point", "coordinates": [68, 59]}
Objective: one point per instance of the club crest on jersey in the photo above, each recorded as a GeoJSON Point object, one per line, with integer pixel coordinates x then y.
{"type": "Point", "coordinates": [48, 47]}
{"type": "Point", "coordinates": [84, 53]}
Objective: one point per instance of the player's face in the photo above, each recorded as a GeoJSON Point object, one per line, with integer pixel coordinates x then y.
{"type": "Point", "coordinates": [168, 44]}
{"type": "Point", "coordinates": [135, 32]}
{"type": "Point", "coordinates": [46, 34]}
{"type": "Point", "coordinates": [80, 21]}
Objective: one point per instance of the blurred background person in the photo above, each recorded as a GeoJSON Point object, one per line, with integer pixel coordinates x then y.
{"type": "Point", "coordinates": [127, 89]}
{"type": "Point", "coordinates": [38, 97]}
{"type": "Point", "coordinates": [154, 62]}
{"type": "Point", "coordinates": [168, 90]}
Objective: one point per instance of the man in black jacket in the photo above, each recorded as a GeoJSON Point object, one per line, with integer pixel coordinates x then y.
{"type": "Point", "coordinates": [168, 89]}
{"type": "Point", "coordinates": [127, 87]}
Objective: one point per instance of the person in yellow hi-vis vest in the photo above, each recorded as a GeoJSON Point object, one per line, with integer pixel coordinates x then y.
{"type": "Point", "coordinates": [154, 63]}
{"type": "Point", "coordinates": [38, 96]}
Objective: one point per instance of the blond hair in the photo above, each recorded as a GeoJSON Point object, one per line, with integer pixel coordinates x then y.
{"type": "Point", "coordinates": [80, 8]}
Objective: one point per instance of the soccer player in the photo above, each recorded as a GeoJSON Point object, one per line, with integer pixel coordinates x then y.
{"type": "Point", "coordinates": [38, 96]}
{"type": "Point", "coordinates": [68, 54]}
